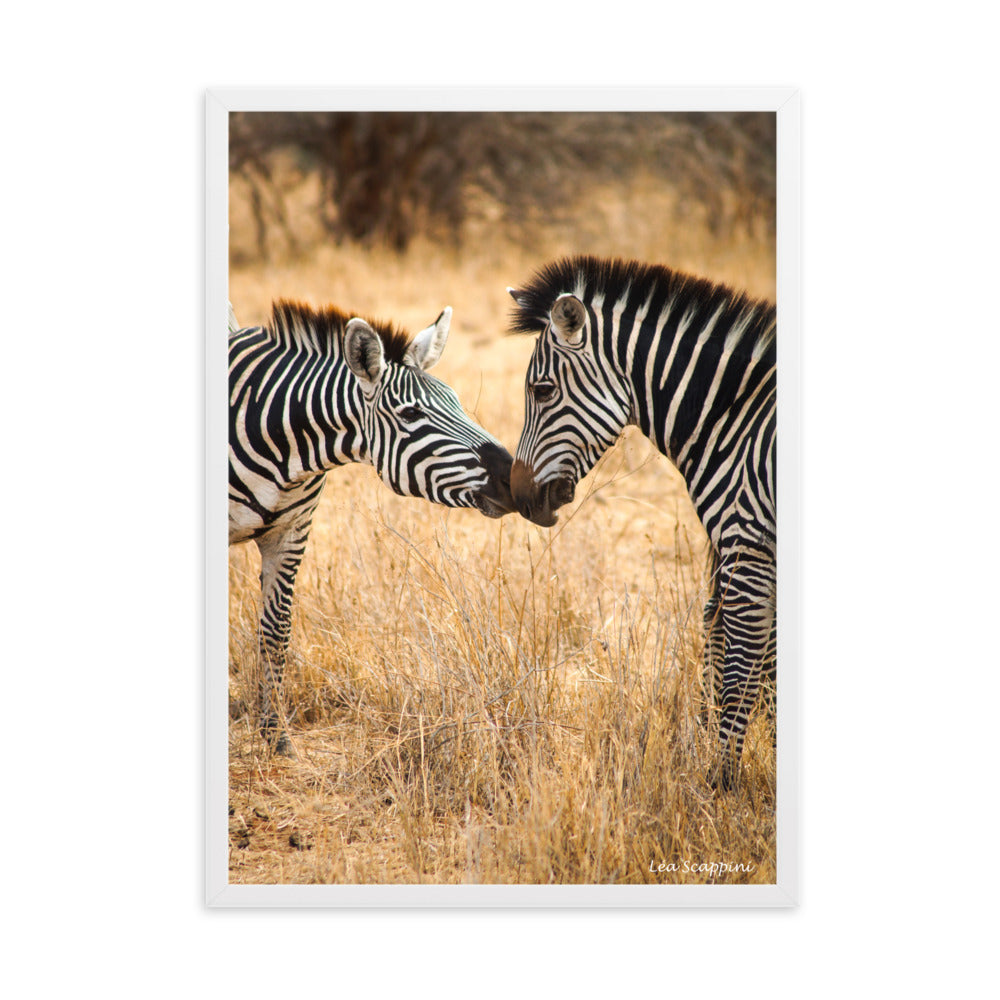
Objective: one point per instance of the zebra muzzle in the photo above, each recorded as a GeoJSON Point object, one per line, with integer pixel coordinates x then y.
{"type": "Point", "coordinates": [494, 499]}
{"type": "Point", "coordinates": [539, 504]}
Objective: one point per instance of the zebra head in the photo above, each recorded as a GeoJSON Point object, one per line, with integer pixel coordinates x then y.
{"type": "Point", "coordinates": [418, 437]}
{"type": "Point", "coordinates": [576, 406]}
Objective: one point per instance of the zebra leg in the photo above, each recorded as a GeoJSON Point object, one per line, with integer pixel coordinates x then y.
{"type": "Point", "coordinates": [714, 654]}
{"type": "Point", "coordinates": [280, 555]}
{"type": "Point", "coordinates": [769, 686]}
{"type": "Point", "coordinates": [715, 644]}
{"type": "Point", "coordinates": [748, 622]}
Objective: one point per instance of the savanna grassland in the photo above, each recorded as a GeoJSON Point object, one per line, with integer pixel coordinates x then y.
{"type": "Point", "coordinates": [489, 701]}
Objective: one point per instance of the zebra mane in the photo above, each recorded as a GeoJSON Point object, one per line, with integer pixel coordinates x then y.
{"type": "Point", "coordinates": [302, 324]}
{"type": "Point", "coordinates": [609, 279]}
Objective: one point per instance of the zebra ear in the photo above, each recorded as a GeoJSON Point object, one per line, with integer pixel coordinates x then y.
{"type": "Point", "coordinates": [518, 296]}
{"type": "Point", "coordinates": [363, 351]}
{"type": "Point", "coordinates": [568, 316]}
{"type": "Point", "coordinates": [427, 347]}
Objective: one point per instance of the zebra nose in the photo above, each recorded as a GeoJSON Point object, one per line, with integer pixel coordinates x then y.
{"type": "Point", "coordinates": [497, 462]}
{"type": "Point", "coordinates": [522, 482]}
{"type": "Point", "coordinates": [531, 502]}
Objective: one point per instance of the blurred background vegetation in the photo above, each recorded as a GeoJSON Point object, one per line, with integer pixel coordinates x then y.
{"type": "Point", "coordinates": [383, 178]}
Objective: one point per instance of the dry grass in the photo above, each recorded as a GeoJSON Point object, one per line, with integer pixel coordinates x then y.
{"type": "Point", "coordinates": [488, 701]}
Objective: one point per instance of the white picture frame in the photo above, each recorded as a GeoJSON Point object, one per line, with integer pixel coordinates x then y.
{"type": "Point", "coordinates": [785, 103]}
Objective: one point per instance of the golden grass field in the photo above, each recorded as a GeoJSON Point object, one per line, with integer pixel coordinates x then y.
{"type": "Point", "coordinates": [477, 701]}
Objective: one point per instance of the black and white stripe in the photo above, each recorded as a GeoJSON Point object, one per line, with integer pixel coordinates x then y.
{"type": "Point", "coordinates": [692, 363]}
{"type": "Point", "coordinates": [312, 390]}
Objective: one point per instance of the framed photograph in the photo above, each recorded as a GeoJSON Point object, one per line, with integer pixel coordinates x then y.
{"type": "Point", "coordinates": [493, 447]}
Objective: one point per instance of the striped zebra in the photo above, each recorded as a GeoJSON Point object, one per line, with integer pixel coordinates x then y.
{"type": "Point", "coordinates": [691, 363]}
{"type": "Point", "coordinates": [312, 390]}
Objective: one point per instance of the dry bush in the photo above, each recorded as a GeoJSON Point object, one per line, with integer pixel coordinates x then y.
{"type": "Point", "coordinates": [385, 177]}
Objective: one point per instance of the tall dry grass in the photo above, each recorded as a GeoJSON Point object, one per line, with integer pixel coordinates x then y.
{"type": "Point", "coordinates": [489, 701]}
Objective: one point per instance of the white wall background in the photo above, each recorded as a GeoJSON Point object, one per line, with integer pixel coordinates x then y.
{"type": "Point", "coordinates": [102, 241]}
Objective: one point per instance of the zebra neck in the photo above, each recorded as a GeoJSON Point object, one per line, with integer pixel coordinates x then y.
{"type": "Point", "coordinates": [345, 431]}
{"type": "Point", "coordinates": [321, 411]}
{"type": "Point", "coordinates": [692, 370]}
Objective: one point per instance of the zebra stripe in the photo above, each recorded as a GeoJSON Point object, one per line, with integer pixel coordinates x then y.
{"type": "Point", "coordinates": [692, 364]}
{"type": "Point", "coordinates": [313, 390]}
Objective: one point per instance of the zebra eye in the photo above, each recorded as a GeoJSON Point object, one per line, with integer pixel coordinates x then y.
{"type": "Point", "coordinates": [410, 414]}
{"type": "Point", "coordinates": [543, 391]}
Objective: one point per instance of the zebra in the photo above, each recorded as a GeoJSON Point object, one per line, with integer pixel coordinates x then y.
{"type": "Point", "coordinates": [314, 389]}
{"type": "Point", "coordinates": [692, 364]}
